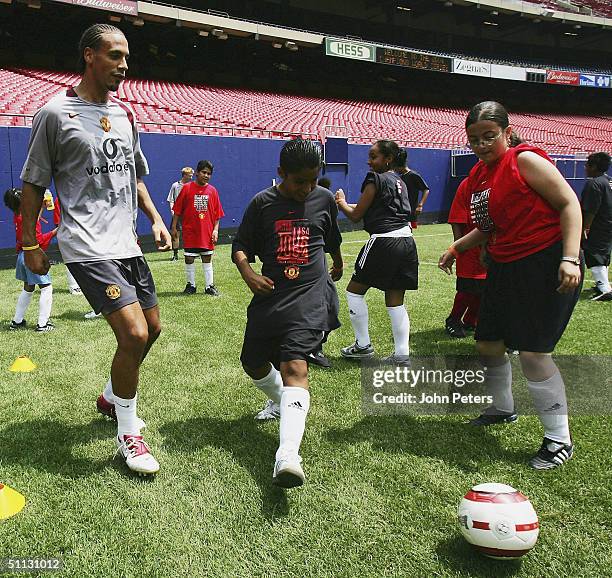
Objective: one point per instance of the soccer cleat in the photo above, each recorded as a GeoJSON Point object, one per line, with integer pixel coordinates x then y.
{"type": "Point", "coordinates": [288, 472]}
{"type": "Point", "coordinates": [318, 358]}
{"type": "Point", "coordinates": [212, 290]}
{"type": "Point", "coordinates": [174, 258]}
{"type": "Point", "coordinates": [454, 328]}
{"type": "Point", "coordinates": [270, 411]}
{"type": "Point", "coordinates": [492, 416]}
{"type": "Point", "coordinates": [401, 360]}
{"type": "Point", "coordinates": [603, 297]}
{"type": "Point", "coordinates": [106, 408]}
{"type": "Point", "coordinates": [75, 291]}
{"type": "Point", "coordinates": [16, 326]}
{"type": "Point", "coordinates": [44, 328]}
{"type": "Point", "coordinates": [136, 454]}
{"type": "Point", "coordinates": [468, 327]}
{"type": "Point", "coordinates": [357, 352]}
{"type": "Point", "coordinates": [551, 454]}
{"type": "Point", "coordinates": [92, 315]}
{"type": "Point", "coordinates": [189, 289]}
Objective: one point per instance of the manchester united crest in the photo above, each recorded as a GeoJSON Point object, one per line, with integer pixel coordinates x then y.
{"type": "Point", "coordinates": [105, 124]}
{"type": "Point", "coordinates": [113, 292]}
{"type": "Point", "coordinates": [292, 272]}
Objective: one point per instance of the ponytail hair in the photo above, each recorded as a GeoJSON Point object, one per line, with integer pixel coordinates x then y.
{"type": "Point", "coordinates": [389, 148]}
{"type": "Point", "coordinates": [494, 112]}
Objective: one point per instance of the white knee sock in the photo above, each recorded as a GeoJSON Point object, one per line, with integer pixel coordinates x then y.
{"type": "Point", "coordinates": [600, 274]}
{"type": "Point", "coordinates": [190, 273]}
{"type": "Point", "coordinates": [550, 403]}
{"type": "Point", "coordinates": [44, 305]}
{"type": "Point", "coordinates": [498, 380]}
{"type": "Point", "coordinates": [208, 273]}
{"type": "Point", "coordinates": [358, 312]}
{"type": "Point", "coordinates": [23, 301]}
{"type": "Point", "coordinates": [271, 385]}
{"type": "Point", "coordinates": [400, 325]}
{"type": "Point", "coordinates": [108, 392]}
{"type": "Point", "coordinates": [295, 403]}
{"type": "Point", "coordinates": [72, 283]}
{"type": "Point", "coordinates": [127, 421]}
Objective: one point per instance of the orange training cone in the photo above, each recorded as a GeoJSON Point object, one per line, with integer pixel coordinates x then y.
{"type": "Point", "coordinates": [11, 502]}
{"type": "Point", "coordinates": [23, 364]}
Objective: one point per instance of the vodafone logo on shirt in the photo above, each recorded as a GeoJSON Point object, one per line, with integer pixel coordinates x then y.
{"type": "Point", "coordinates": [562, 77]}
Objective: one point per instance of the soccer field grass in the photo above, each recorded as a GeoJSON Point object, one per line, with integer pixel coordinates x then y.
{"type": "Point", "coordinates": [381, 492]}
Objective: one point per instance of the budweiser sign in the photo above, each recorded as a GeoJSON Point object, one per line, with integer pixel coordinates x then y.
{"type": "Point", "coordinates": [562, 77]}
{"type": "Point", "coordinates": [122, 6]}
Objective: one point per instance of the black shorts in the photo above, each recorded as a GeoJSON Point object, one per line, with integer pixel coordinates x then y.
{"type": "Point", "coordinates": [388, 263]}
{"type": "Point", "coordinates": [257, 350]}
{"type": "Point", "coordinates": [596, 259]}
{"type": "Point", "coordinates": [520, 304]}
{"type": "Point", "coordinates": [469, 285]}
{"type": "Point", "coordinates": [111, 285]}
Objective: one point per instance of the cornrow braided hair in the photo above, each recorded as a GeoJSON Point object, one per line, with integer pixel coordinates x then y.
{"type": "Point", "coordinates": [92, 38]}
{"type": "Point", "coordinates": [300, 154]}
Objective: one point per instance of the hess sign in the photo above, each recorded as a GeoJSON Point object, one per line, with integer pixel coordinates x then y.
{"type": "Point", "coordinates": [349, 49]}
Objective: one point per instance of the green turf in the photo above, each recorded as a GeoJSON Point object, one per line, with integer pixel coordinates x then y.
{"type": "Point", "coordinates": [381, 492]}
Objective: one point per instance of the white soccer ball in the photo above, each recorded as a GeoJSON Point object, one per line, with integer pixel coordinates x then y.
{"type": "Point", "coordinates": [498, 521]}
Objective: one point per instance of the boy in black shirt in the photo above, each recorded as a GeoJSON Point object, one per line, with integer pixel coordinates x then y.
{"type": "Point", "coordinates": [597, 223]}
{"type": "Point", "coordinates": [414, 183]}
{"type": "Point", "coordinates": [289, 227]}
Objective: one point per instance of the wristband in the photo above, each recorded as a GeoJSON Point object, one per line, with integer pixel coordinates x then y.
{"type": "Point", "coordinates": [453, 251]}
{"type": "Point", "coordinates": [32, 248]}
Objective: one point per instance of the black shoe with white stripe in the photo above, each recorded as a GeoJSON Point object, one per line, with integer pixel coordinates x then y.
{"type": "Point", "coordinates": [493, 416]}
{"type": "Point", "coordinates": [551, 455]}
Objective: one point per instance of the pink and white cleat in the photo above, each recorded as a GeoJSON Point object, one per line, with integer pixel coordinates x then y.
{"type": "Point", "coordinates": [137, 455]}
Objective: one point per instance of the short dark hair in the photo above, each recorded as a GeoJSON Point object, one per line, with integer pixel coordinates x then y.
{"type": "Point", "coordinates": [92, 38]}
{"type": "Point", "coordinates": [599, 161]}
{"type": "Point", "coordinates": [400, 159]}
{"type": "Point", "coordinates": [12, 199]}
{"type": "Point", "coordinates": [495, 112]}
{"type": "Point", "coordinates": [324, 182]}
{"type": "Point", "coordinates": [205, 165]}
{"type": "Point", "coordinates": [299, 154]}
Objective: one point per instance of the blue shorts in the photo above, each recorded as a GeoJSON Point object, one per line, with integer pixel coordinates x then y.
{"type": "Point", "coordinates": [24, 274]}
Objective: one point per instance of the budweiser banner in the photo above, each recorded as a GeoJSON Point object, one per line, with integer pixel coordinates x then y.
{"type": "Point", "coordinates": [122, 6]}
{"type": "Point", "coordinates": [562, 77]}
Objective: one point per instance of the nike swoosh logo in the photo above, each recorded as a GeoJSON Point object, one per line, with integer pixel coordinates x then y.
{"type": "Point", "coordinates": [71, 115]}
{"type": "Point", "coordinates": [124, 406]}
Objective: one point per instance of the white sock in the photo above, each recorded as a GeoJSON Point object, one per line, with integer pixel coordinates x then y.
{"type": "Point", "coordinates": [295, 403]}
{"type": "Point", "coordinates": [127, 421]}
{"type": "Point", "coordinates": [72, 283]}
{"type": "Point", "coordinates": [190, 273]}
{"type": "Point", "coordinates": [498, 380]}
{"type": "Point", "coordinates": [400, 325]}
{"type": "Point", "coordinates": [108, 391]}
{"type": "Point", "coordinates": [208, 274]}
{"type": "Point", "coordinates": [600, 274]}
{"type": "Point", "coordinates": [358, 313]}
{"type": "Point", "coordinates": [44, 305]}
{"type": "Point", "coordinates": [23, 301]}
{"type": "Point", "coordinates": [551, 404]}
{"type": "Point", "coordinates": [271, 385]}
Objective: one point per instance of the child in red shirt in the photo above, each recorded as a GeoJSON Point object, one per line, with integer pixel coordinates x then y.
{"type": "Point", "coordinates": [199, 207]}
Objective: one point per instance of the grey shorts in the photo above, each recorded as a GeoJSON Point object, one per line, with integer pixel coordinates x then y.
{"type": "Point", "coordinates": [111, 285]}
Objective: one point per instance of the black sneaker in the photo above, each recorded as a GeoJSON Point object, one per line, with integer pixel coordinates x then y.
{"type": "Point", "coordinates": [492, 416]}
{"type": "Point", "coordinates": [551, 455]}
{"type": "Point", "coordinates": [603, 296]}
{"type": "Point", "coordinates": [16, 326]}
{"type": "Point", "coordinates": [174, 258]}
{"type": "Point", "coordinates": [44, 328]}
{"type": "Point", "coordinates": [468, 327]}
{"type": "Point", "coordinates": [401, 360]}
{"type": "Point", "coordinates": [356, 352]}
{"type": "Point", "coordinates": [212, 290]}
{"type": "Point", "coordinates": [318, 358]}
{"type": "Point", "coordinates": [454, 328]}
{"type": "Point", "coordinates": [189, 289]}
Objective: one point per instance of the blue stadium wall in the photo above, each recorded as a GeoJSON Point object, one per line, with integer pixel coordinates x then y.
{"type": "Point", "coordinates": [242, 168]}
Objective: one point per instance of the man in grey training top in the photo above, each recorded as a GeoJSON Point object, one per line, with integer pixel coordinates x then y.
{"type": "Point", "coordinates": [86, 140]}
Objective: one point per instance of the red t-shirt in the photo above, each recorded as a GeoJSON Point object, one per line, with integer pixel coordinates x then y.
{"type": "Point", "coordinates": [468, 263]}
{"type": "Point", "coordinates": [520, 221]}
{"type": "Point", "coordinates": [200, 208]}
{"type": "Point", "coordinates": [43, 239]}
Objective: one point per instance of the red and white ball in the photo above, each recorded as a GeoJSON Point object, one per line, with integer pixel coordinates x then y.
{"type": "Point", "coordinates": [498, 521]}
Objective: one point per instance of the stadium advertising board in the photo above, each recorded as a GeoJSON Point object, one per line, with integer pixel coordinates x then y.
{"type": "Point", "coordinates": [562, 77]}
{"type": "Point", "coordinates": [410, 59]}
{"type": "Point", "coordinates": [471, 67]}
{"type": "Point", "coordinates": [508, 72]}
{"type": "Point", "coordinates": [596, 80]}
{"type": "Point", "coordinates": [122, 6]}
{"type": "Point", "coordinates": [349, 49]}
